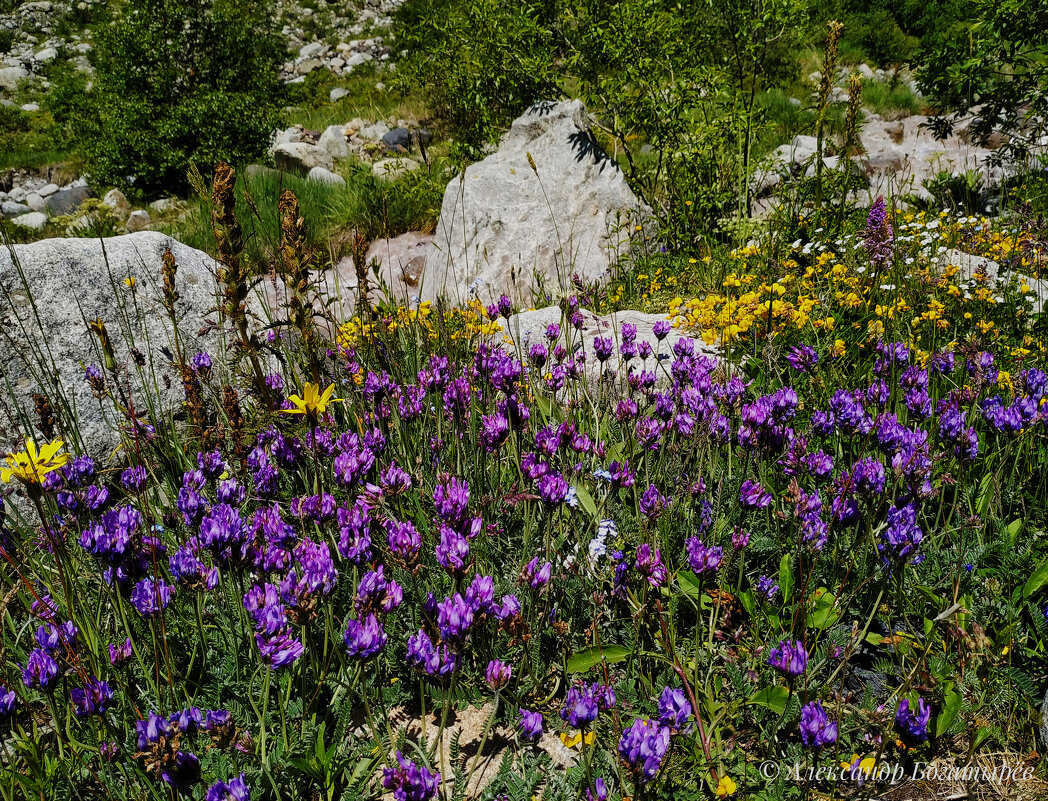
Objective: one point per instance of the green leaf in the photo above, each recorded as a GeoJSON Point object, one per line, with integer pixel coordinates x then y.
{"type": "Point", "coordinates": [825, 613]}
{"type": "Point", "coordinates": [581, 661]}
{"type": "Point", "coordinates": [1011, 531]}
{"type": "Point", "coordinates": [981, 736]}
{"type": "Point", "coordinates": [982, 504]}
{"type": "Point", "coordinates": [786, 576]}
{"type": "Point", "coordinates": [586, 500]}
{"type": "Point", "coordinates": [1037, 580]}
{"type": "Point", "coordinates": [949, 713]}
{"type": "Point", "coordinates": [773, 697]}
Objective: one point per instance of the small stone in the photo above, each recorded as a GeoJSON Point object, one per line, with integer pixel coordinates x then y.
{"type": "Point", "coordinates": [301, 157]}
{"type": "Point", "coordinates": [118, 202]}
{"type": "Point", "coordinates": [35, 202]}
{"type": "Point", "coordinates": [397, 138]}
{"type": "Point", "coordinates": [325, 176]}
{"type": "Point", "coordinates": [165, 205]}
{"type": "Point", "coordinates": [312, 50]}
{"type": "Point", "coordinates": [47, 55]}
{"type": "Point", "coordinates": [66, 201]}
{"type": "Point", "coordinates": [307, 66]}
{"type": "Point", "coordinates": [47, 190]}
{"type": "Point", "coordinates": [357, 59]}
{"type": "Point", "coordinates": [391, 169]}
{"type": "Point", "coordinates": [35, 220]}
{"type": "Point", "coordinates": [30, 107]}
{"type": "Point", "coordinates": [12, 208]}
{"type": "Point", "coordinates": [337, 94]}
{"type": "Point", "coordinates": [10, 77]}
{"type": "Point", "coordinates": [138, 221]}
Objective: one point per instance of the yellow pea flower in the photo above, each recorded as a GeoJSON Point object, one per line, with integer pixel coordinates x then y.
{"type": "Point", "coordinates": [726, 786]}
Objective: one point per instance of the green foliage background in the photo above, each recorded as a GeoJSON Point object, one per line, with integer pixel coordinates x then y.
{"type": "Point", "coordinates": [179, 82]}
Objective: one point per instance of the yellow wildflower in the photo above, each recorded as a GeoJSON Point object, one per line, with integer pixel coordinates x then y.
{"type": "Point", "coordinates": [726, 787]}
{"type": "Point", "coordinates": [313, 402]}
{"type": "Point", "coordinates": [30, 466]}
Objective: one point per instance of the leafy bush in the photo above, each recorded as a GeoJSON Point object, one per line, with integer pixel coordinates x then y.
{"type": "Point", "coordinates": [998, 67]}
{"type": "Point", "coordinates": [881, 38]}
{"type": "Point", "coordinates": [480, 63]}
{"type": "Point", "coordinates": [179, 82]}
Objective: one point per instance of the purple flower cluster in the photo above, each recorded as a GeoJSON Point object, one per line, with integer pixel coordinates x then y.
{"type": "Point", "coordinates": [643, 745]}
{"type": "Point", "coordinates": [913, 722]}
{"type": "Point", "coordinates": [789, 657]}
{"type": "Point", "coordinates": [583, 704]}
{"type": "Point", "coordinates": [409, 781]}
{"type": "Point", "coordinates": [817, 730]}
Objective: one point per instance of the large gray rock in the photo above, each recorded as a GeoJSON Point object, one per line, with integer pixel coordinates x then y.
{"type": "Point", "coordinates": [118, 202]}
{"type": "Point", "coordinates": [391, 169]}
{"type": "Point", "coordinates": [902, 154]}
{"type": "Point", "coordinates": [333, 140]}
{"type": "Point", "coordinates": [502, 227]}
{"type": "Point", "coordinates": [320, 175]}
{"type": "Point", "coordinates": [73, 281]}
{"type": "Point", "coordinates": [394, 267]}
{"type": "Point", "coordinates": [66, 201]}
{"type": "Point", "coordinates": [11, 208]}
{"type": "Point", "coordinates": [301, 157]}
{"type": "Point", "coordinates": [34, 220]}
{"type": "Point", "coordinates": [138, 221]}
{"type": "Point", "coordinates": [976, 271]}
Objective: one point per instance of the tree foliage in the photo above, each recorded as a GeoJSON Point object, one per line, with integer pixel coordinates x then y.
{"type": "Point", "coordinates": [179, 82]}
{"type": "Point", "coordinates": [997, 71]}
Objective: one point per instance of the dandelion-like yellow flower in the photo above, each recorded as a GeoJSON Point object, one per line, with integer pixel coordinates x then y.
{"type": "Point", "coordinates": [30, 466]}
{"type": "Point", "coordinates": [726, 786]}
{"type": "Point", "coordinates": [313, 402]}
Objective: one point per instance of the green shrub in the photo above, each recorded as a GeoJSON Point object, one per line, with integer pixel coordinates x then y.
{"type": "Point", "coordinates": [481, 63]}
{"type": "Point", "coordinates": [881, 38]}
{"type": "Point", "coordinates": [179, 82]}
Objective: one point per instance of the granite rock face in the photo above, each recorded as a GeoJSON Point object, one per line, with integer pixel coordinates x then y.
{"type": "Point", "coordinates": [74, 281]}
{"type": "Point", "coordinates": [508, 228]}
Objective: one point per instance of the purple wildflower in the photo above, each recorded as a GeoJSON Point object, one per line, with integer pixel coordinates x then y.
{"type": "Point", "coordinates": [408, 781]}
{"type": "Point", "coordinates": [151, 597]}
{"type": "Point", "coordinates": [702, 558]}
{"type": "Point", "coordinates": [674, 709]}
{"type": "Point", "coordinates": [913, 724]}
{"type": "Point", "coordinates": [234, 790]}
{"type": "Point", "coordinates": [531, 725]}
{"type": "Point", "coordinates": [365, 639]}
{"type": "Point", "coordinates": [788, 657]}
{"type": "Point", "coordinates": [817, 730]}
{"type": "Point", "coordinates": [643, 745]}
{"type": "Point", "coordinates": [498, 674]}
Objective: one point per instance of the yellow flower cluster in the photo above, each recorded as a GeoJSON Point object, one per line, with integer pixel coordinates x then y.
{"type": "Point", "coordinates": [816, 292]}
{"type": "Point", "coordinates": [456, 324]}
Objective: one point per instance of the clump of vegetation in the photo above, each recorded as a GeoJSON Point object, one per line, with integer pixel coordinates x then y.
{"type": "Point", "coordinates": [822, 547]}
{"type": "Point", "coordinates": [178, 84]}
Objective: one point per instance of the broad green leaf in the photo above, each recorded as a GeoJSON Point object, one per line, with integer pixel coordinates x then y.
{"type": "Point", "coordinates": [982, 504]}
{"type": "Point", "coordinates": [586, 501]}
{"type": "Point", "coordinates": [786, 576]}
{"type": "Point", "coordinates": [1037, 580]}
{"type": "Point", "coordinates": [582, 661]}
{"type": "Point", "coordinates": [825, 612]}
{"type": "Point", "coordinates": [981, 736]}
{"type": "Point", "coordinates": [949, 713]}
{"type": "Point", "coordinates": [773, 697]}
